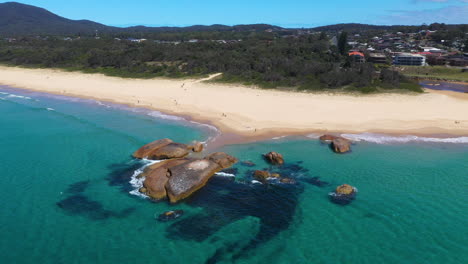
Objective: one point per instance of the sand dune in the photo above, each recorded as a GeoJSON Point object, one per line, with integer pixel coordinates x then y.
{"type": "Point", "coordinates": [256, 112]}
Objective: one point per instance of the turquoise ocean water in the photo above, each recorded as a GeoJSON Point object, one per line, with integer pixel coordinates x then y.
{"type": "Point", "coordinates": [64, 185]}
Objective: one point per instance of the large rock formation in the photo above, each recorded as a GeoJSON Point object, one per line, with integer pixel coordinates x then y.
{"type": "Point", "coordinates": [341, 145]}
{"type": "Point", "coordinates": [177, 179]}
{"type": "Point", "coordinates": [343, 194]}
{"type": "Point", "coordinates": [146, 150]}
{"type": "Point", "coordinates": [166, 149]}
{"type": "Point", "coordinates": [156, 177]}
{"type": "Point", "coordinates": [189, 177]}
{"type": "Point", "coordinates": [274, 158]}
{"type": "Point", "coordinates": [337, 144]}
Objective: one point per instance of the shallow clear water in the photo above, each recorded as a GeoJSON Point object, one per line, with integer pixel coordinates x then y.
{"type": "Point", "coordinates": [65, 195]}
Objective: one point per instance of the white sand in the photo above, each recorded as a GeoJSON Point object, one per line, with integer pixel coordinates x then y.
{"type": "Point", "coordinates": [255, 112]}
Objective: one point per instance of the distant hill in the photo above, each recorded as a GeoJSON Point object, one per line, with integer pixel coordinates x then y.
{"type": "Point", "coordinates": [18, 19]}
{"type": "Point", "coordinates": [21, 19]}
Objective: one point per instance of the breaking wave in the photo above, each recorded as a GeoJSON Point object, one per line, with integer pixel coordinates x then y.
{"type": "Point", "coordinates": [137, 182]}
{"type": "Point", "coordinates": [223, 174]}
{"type": "Point", "coordinates": [386, 139]}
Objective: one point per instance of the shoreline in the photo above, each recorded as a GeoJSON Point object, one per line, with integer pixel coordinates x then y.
{"type": "Point", "coordinates": [184, 98]}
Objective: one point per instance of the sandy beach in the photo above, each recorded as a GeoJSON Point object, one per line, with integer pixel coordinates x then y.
{"type": "Point", "coordinates": [256, 113]}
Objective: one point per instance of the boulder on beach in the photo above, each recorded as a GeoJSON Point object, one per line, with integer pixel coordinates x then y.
{"type": "Point", "coordinates": [343, 194]}
{"type": "Point", "coordinates": [274, 158]}
{"type": "Point", "coordinates": [187, 178]}
{"type": "Point", "coordinates": [341, 145]}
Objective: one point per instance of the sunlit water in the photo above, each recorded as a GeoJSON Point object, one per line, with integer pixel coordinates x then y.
{"type": "Point", "coordinates": [65, 190]}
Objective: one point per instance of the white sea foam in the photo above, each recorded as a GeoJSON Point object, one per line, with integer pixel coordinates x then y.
{"type": "Point", "coordinates": [314, 136]}
{"type": "Point", "coordinates": [158, 114]}
{"type": "Point", "coordinates": [280, 137]}
{"type": "Point", "coordinates": [223, 174]}
{"type": "Point", "coordinates": [137, 182]}
{"type": "Point", "coordinates": [50, 109]}
{"type": "Point", "coordinates": [19, 96]}
{"type": "Point", "coordinates": [3, 93]}
{"type": "Point", "coordinates": [386, 139]}
{"type": "Point", "coordinates": [102, 104]}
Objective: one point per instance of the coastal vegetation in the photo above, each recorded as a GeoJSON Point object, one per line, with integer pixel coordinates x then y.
{"type": "Point", "coordinates": [308, 62]}
{"type": "Point", "coordinates": [435, 72]}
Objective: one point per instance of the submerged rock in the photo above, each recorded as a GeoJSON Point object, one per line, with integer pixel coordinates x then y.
{"type": "Point", "coordinates": [170, 215]}
{"type": "Point", "coordinates": [248, 163]}
{"type": "Point", "coordinates": [274, 158]}
{"type": "Point", "coordinates": [343, 194]}
{"type": "Point", "coordinates": [288, 181]}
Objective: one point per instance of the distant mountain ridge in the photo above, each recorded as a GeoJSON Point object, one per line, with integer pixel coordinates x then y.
{"type": "Point", "coordinates": [18, 19]}
{"type": "Point", "coordinates": [21, 19]}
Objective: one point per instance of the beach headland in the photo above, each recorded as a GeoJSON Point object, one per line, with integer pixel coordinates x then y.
{"type": "Point", "coordinates": [248, 114]}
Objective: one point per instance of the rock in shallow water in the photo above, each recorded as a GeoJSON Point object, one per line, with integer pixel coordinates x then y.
{"type": "Point", "coordinates": [337, 144]}
{"type": "Point", "coordinates": [274, 158]}
{"type": "Point", "coordinates": [170, 215]}
{"type": "Point", "coordinates": [341, 145]}
{"type": "Point", "coordinates": [343, 194]}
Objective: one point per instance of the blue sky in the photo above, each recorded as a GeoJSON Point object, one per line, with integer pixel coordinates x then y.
{"type": "Point", "coordinates": [287, 13]}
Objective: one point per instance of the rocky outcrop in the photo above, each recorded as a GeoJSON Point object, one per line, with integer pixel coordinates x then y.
{"type": "Point", "coordinates": [343, 194]}
{"type": "Point", "coordinates": [261, 176]}
{"type": "Point", "coordinates": [274, 158]}
{"type": "Point", "coordinates": [341, 145]}
{"type": "Point", "coordinates": [328, 137]}
{"type": "Point", "coordinates": [146, 150]}
{"type": "Point", "coordinates": [156, 178]}
{"type": "Point", "coordinates": [337, 144]}
{"type": "Point", "coordinates": [179, 178]}
{"type": "Point", "coordinates": [197, 147]}
{"type": "Point", "coordinates": [170, 151]}
{"type": "Point", "coordinates": [166, 149]}
{"type": "Point", "coordinates": [187, 178]}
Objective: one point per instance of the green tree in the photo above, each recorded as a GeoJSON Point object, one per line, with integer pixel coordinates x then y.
{"type": "Point", "coordinates": [343, 43]}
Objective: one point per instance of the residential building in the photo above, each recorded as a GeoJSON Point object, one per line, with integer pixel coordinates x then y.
{"type": "Point", "coordinates": [357, 56]}
{"type": "Point", "coordinates": [377, 58]}
{"type": "Point", "coordinates": [409, 59]}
